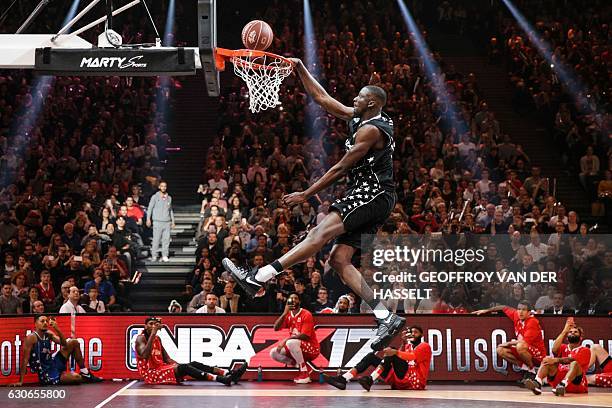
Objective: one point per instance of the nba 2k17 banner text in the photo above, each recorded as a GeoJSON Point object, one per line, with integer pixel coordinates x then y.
{"type": "Point", "coordinates": [463, 346]}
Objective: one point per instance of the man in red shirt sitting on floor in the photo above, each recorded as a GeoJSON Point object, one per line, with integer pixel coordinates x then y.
{"type": "Point", "coordinates": [403, 369]}
{"type": "Point", "coordinates": [156, 367]}
{"type": "Point", "coordinates": [566, 372]}
{"type": "Point", "coordinates": [528, 350]}
{"type": "Point", "coordinates": [302, 344]}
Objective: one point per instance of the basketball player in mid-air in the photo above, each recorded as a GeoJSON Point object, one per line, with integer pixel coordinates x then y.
{"type": "Point", "coordinates": [369, 199]}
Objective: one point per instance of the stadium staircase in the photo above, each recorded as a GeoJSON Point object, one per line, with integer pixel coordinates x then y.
{"type": "Point", "coordinates": [161, 281]}
{"type": "Point", "coordinates": [526, 130]}
{"type": "Point", "coordinates": [193, 127]}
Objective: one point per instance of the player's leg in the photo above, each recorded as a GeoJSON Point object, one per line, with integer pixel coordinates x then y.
{"type": "Point", "coordinates": [382, 371]}
{"type": "Point", "coordinates": [339, 381]}
{"type": "Point", "coordinates": [282, 356]}
{"type": "Point", "coordinates": [70, 378]}
{"type": "Point", "coordinates": [535, 384]}
{"type": "Point", "coordinates": [294, 349]}
{"type": "Point", "coordinates": [340, 260]}
{"type": "Point", "coordinates": [600, 380]}
{"type": "Point", "coordinates": [522, 348]}
{"type": "Point", "coordinates": [507, 354]}
{"type": "Point", "coordinates": [201, 373]}
{"type": "Point", "coordinates": [252, 281]}
{"type": "Point", "coordinates": [73, 349]}
{"type": "Point", "coordinates": [600, 356]}
{"type": "Point", "coordinates": [574, 371]}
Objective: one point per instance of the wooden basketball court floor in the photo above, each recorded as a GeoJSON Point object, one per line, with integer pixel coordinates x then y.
{"type": "Point", "coordinates": [286, 394]}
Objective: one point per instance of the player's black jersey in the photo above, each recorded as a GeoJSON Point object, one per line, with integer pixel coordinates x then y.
{"type": "Point", "coordinates": [374, 172]}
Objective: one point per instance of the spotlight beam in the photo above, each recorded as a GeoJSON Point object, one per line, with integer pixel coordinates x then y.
{"type": "Point", "coordinates": [568, 79]}
{"type": "Point", "coordinates": [311, 60]}
{"type": "Point", "coordinates": [432, 70]}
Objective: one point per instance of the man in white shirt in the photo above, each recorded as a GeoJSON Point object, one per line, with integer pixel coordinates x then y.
{"type": "Point", "coordinates": [72, 304]}
{"type": "Point", "coordinates": [211, 305]}
{"type": "Point", "coordinates": [535, 248]}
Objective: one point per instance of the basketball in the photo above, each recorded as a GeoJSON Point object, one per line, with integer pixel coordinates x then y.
{"type": "Point", "coordinates": [257, 35]}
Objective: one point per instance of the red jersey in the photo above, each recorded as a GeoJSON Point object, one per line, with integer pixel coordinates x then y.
{"type": "Point", "coordinates": [154, 370]}
{"type": "Point", "coordinates": [301, 323]}
{"type": "Point", "coordinates": [528, 330]}
{"type": "Point", "coordinates": [422, 358]}
{"type": "Point", "coordinates": [580, 354]}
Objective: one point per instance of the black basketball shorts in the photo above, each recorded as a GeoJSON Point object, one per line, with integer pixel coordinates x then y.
{"type": "Point", "coordinates": [362, 213]}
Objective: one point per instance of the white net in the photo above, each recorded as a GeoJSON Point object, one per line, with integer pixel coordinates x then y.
{"type": "Point", "coordinates": [263, 76]}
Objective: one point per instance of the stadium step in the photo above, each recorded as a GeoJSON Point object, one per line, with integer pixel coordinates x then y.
{"type": "Point", "coordinates": [164, 281]}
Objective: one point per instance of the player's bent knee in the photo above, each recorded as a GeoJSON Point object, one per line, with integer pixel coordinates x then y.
{"type": "Point", "coordinates": [521, 346]}
{"type": "Point", "coordinates": [501, 351]}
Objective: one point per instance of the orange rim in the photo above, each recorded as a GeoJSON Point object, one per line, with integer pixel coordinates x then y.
{"type": "Point", "coordinates": [222, 55]}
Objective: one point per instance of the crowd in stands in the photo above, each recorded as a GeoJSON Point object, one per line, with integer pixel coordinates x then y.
{"type": "Point", "coordinates": [79, 159]}
{"type": "Point", "coordinates": [75, 180]}
{"type": "Point", "coordinates": [578, 36]}
{"type": "Point", "coordinates": [455, 174]}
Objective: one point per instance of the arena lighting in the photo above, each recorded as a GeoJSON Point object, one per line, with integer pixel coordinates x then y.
{"type": "Point", "coordinates": [432, 70]}
{"type": "Point", "coordinates": [40, 88]}
{"type": "Point", "coordinates": [570, 81]}
{"type": "Point", "coordinates": [311, 60]}
{"type": "Point", "coordinates": [169, 29]}
{"type": "Point", "coordinates": [163, 92]}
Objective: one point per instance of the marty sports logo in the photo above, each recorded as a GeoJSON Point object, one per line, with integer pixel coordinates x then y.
{"type": "Point", "coordinates": [111, 62]}
{"type": "Point", "coordinates": [211, 345]}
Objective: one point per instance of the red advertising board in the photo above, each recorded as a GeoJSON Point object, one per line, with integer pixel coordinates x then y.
{"type": "Point", "coordinates": [463, 346]}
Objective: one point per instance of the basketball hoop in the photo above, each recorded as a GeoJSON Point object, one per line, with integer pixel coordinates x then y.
{"type": "Point", "coordinates": [262, 71]}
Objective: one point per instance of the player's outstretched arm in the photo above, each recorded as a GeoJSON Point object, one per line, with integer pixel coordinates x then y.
{"type": "Point", "coordinates": [489, 310]}
{"type": "Point", "coordinates": [319, 94]}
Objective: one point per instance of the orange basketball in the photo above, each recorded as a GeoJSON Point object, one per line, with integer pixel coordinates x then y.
{"type": "Point", "coordinates": [257, 35]}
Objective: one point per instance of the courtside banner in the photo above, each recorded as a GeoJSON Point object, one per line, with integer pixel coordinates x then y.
{"type": "Point", "coordinates": [463, 345]}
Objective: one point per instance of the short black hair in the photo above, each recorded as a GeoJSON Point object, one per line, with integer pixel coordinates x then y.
{"type": "Point", "coordinates": [151, 318]}
{"type": "Point", "coordinates": [38, 316]}
{"type": "Point", "coordinates": [378, 93]}
{"type": "Point", "coordinates": [524, 302]}
{"type": "Point", "coordinates": [419, 328]}
{"type": "Point", "coordinates": [6, 282]}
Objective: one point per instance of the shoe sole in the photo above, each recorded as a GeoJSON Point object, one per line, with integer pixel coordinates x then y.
{"type": "Point", "coordinates": [365, 386]}
{"type": "Point", "coordinates": [381, 342]}
{"type": "Point", "coordinates": [305, 381]}
{"type": "Point", "coordinates": [559, 393]}
{"type": "Point", "coordinates": [533, 386]}
{"type": "Point", "coordinates": [229, 266]}
{"type": "Point", "coordinates": [338, 385]}
{"type": "Point", "coordinates": [235, 380]}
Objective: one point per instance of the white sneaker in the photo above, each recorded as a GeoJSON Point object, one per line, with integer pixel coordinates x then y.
{"type": "Point", "coordinates": [165, 259]}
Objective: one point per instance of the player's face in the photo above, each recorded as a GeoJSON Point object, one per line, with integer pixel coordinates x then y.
{"type": "Point", "coordinates": [150, 325]}
{"type": "Point", "coordinates": [523, 311]}
{"type": "Point", "coordinates": [42, 323]}
{"type": "Point", "coordinates": [293, 302]}
{"type": "Point", "coordinates": [361, 102]}
{"type": "Point", "coordinates": [573, 336]}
